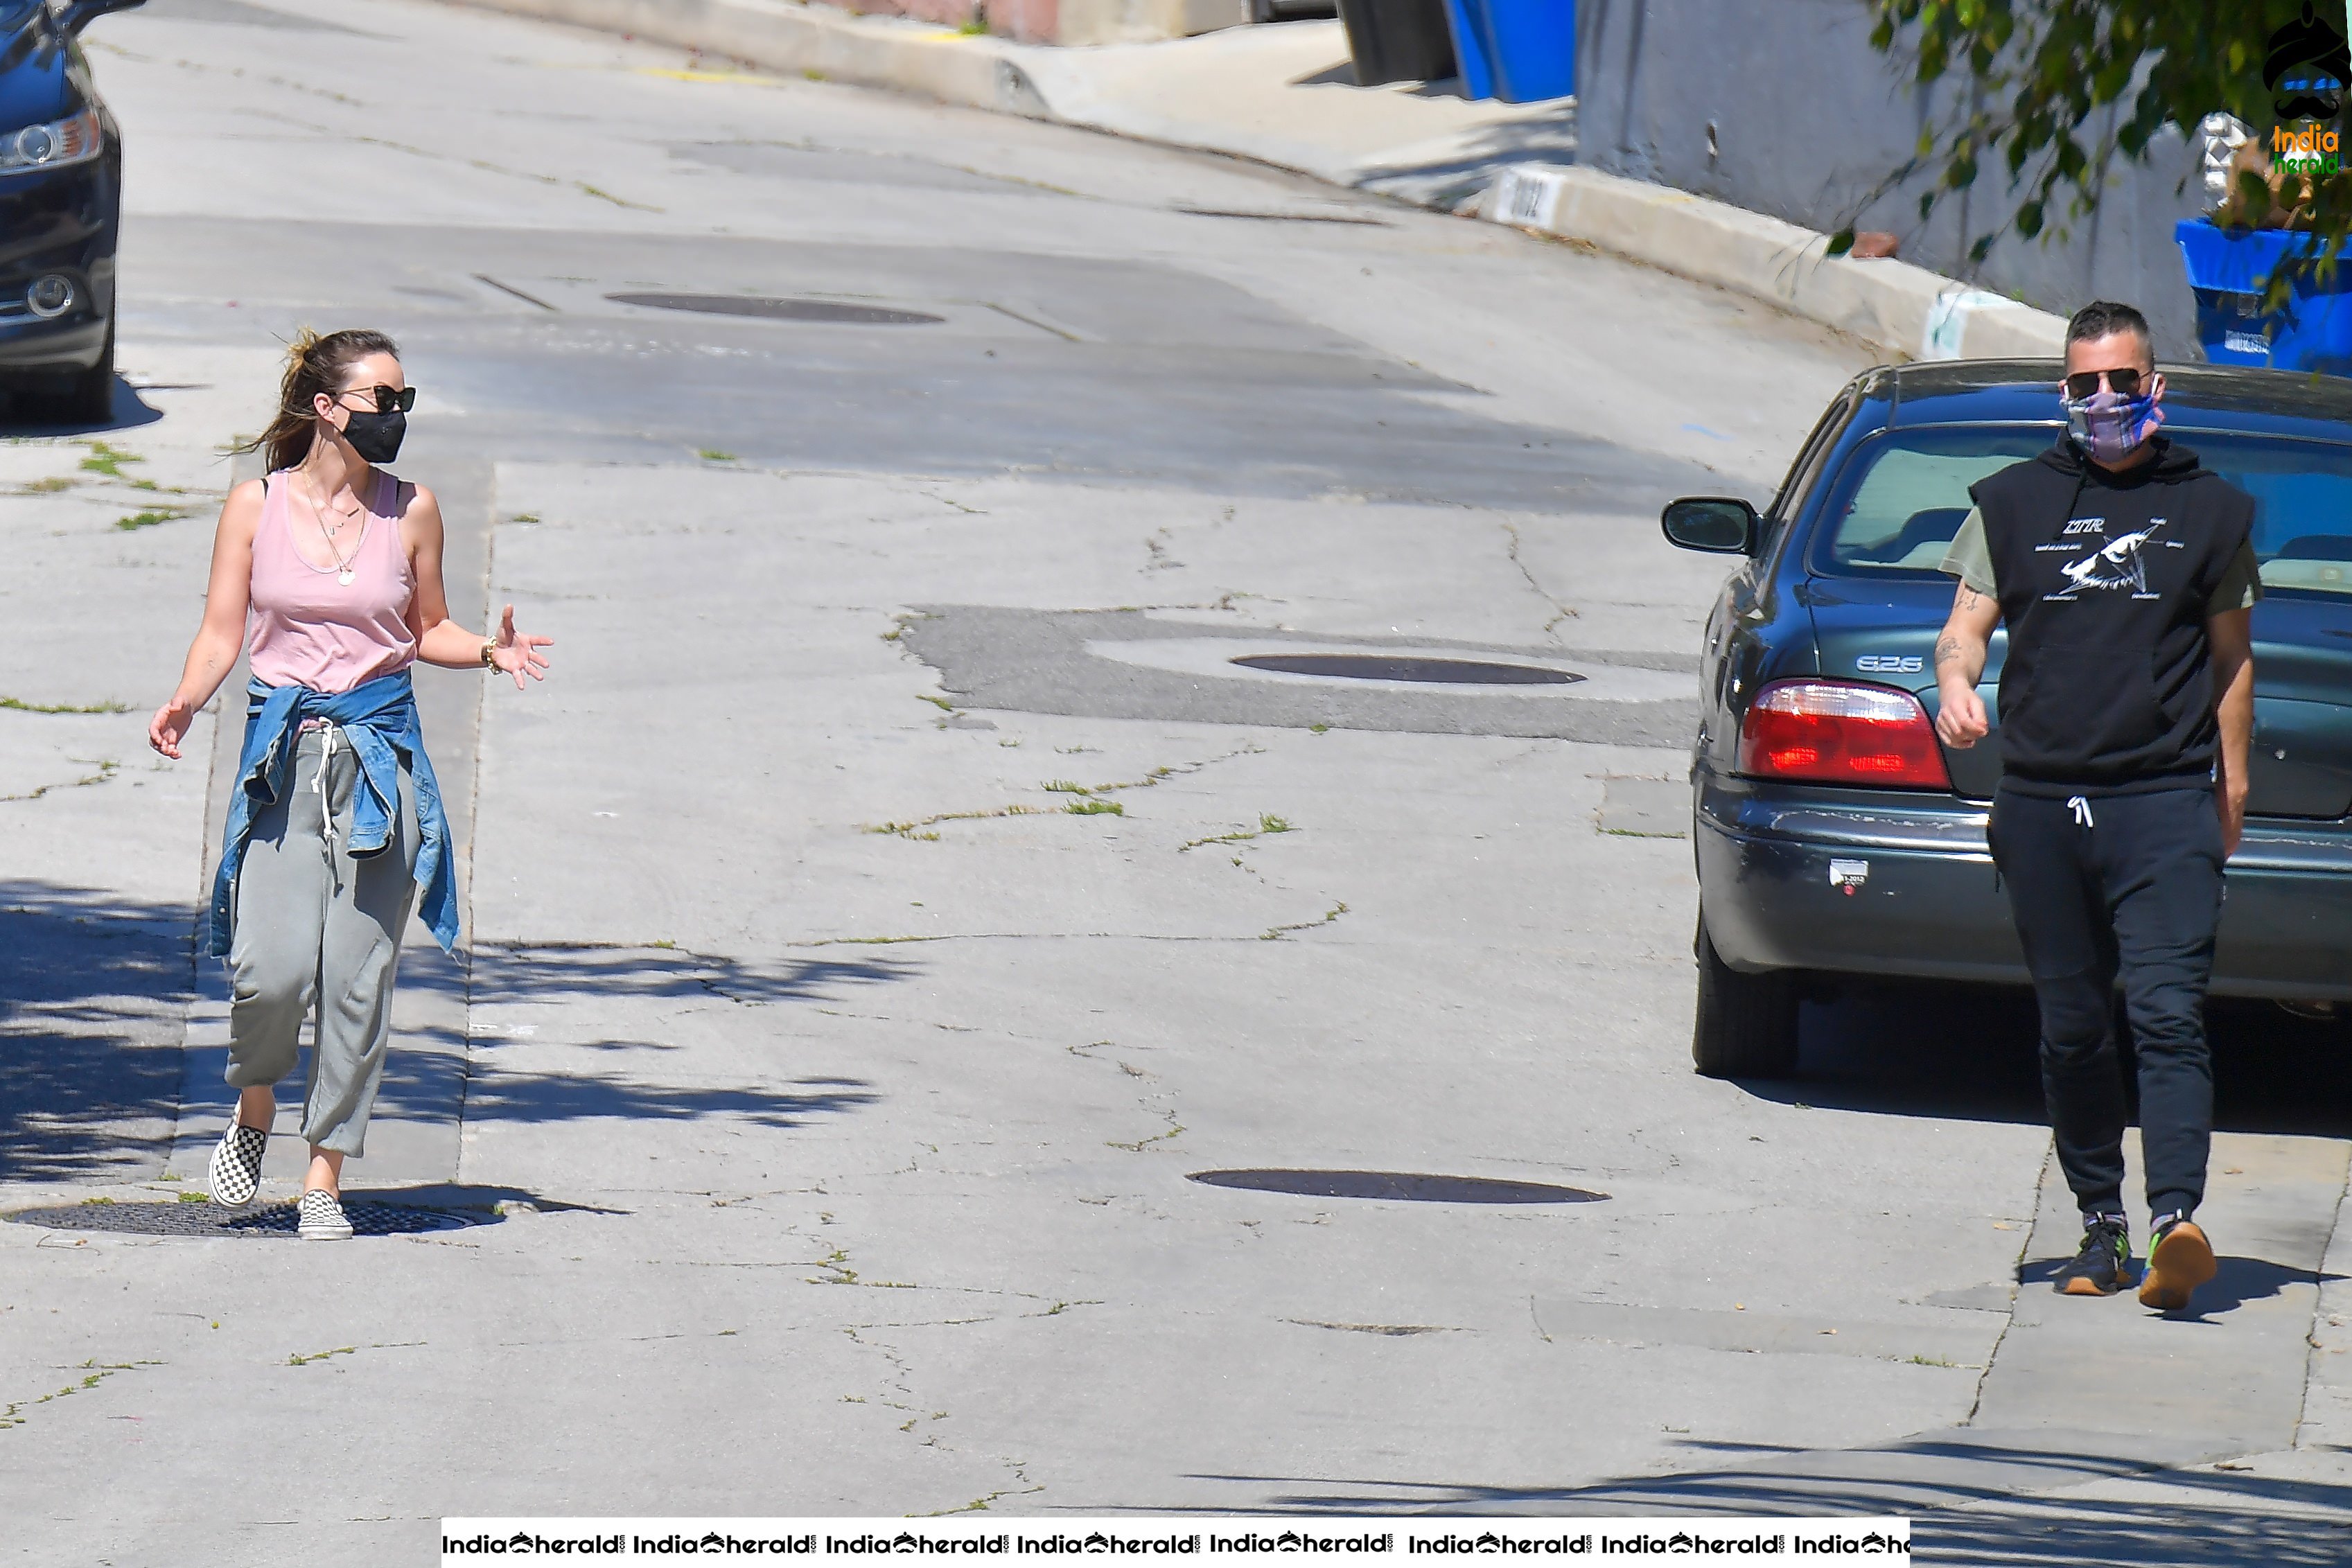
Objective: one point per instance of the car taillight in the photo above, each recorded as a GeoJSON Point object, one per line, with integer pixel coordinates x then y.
{"type": "Point", "coordinates": [1841, 732]}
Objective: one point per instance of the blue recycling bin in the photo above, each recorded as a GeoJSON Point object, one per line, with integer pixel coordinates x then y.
{"type": "Point", "coordinates": [2229, 269]}
{"type": "Point", "coordinates": [1521, 51]}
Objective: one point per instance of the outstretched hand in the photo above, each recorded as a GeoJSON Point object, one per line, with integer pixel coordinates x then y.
{"type": "Point", "coordinates": [518, 653]}
{"type": "Point", "coordinates": [169, 727]}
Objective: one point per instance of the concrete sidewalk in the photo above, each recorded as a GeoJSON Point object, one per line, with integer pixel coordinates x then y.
{"type": "Point", "coordinates": [1288, 96]}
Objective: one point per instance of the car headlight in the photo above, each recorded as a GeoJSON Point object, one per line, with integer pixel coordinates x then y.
{"type": "Point", "coordinates": [73, 140]}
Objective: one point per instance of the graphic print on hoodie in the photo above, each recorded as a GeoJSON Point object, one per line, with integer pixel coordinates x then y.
{"type": "Point", "coordinates": [2103, 580]}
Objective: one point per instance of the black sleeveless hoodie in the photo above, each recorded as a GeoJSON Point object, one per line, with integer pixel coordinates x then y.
{"type": "Point", "coordinates": [2103, 580]}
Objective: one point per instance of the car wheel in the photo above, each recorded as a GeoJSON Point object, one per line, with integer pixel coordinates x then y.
{"type": "Point", "coordinates": [91, 399]}
{"type": "Point", "coordinates": [1747, 1024]}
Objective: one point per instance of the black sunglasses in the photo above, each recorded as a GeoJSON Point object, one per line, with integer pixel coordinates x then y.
{"type": "Point", "coordinates": [387, 399]}
{"type": "Point", "coordinates": [2124, 382]}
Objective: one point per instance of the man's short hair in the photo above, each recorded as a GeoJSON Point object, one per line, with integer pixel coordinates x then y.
{"type": "Point", "coordinates": [2105, 318]}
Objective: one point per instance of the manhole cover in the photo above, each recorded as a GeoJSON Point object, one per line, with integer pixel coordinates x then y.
{"type": "Point", "coordinates": [368, 1218]}
{"type": "Point", "coordinates": [1388, 668]}
{"type": "Point", "coordinates": [779, 309]}
{"type": "Point", "coordinates": [1397, 1186]}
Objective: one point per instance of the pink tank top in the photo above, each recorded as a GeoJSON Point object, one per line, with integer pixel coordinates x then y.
{"type": "Point", "coordinates": [328, 628]}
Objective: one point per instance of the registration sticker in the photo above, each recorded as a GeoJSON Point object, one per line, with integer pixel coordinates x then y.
{"type": "Point", "coordinates": [1849, 875]}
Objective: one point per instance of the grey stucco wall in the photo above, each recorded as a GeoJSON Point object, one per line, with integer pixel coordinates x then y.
{"type": "Point", "coordinates": [1808, 118]}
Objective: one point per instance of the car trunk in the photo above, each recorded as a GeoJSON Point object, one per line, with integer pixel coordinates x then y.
{"type": "Point", "coordinates": [1884, 630]}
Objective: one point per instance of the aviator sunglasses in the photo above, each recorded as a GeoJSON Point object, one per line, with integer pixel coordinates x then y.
{"type": "Point", "coordinates": [388, 400]}
{"type": "Point", "coordinates": [2124, 382]}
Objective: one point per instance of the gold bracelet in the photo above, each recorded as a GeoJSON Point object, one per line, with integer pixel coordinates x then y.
{"type": "Point", "coordinates": [489, 648]}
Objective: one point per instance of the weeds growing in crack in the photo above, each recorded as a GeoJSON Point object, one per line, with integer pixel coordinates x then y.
{"type": "Point", "coordinates": [18, 704]}
{"type": "Point", "coordinates": [914, 830]}
{"type": "Point", "coordinates": [1267, 825]}
{"type": "Point", "coordinates": [839, 1272]}
{"type": "Point", "coordinates": [148, 519]}
{"type": "Point", "coordinates": [1136, 1147]}
{"type": "Point", "coordinates": [300, 1360]}
{"type": "Point", "coordinates": [106, 771]}
{"type": "Point", "coordinates": [48, 487]}
{"type": "Point", "coordinates": [1277, 934]}
{"type": "Point", "coordinates": [98, 1374]}
{"type": "Point", "coordinates": [1095, 809]}
{"type": "Point", "coordinates": [939, 702]}
{"type": "Point", "coordinates": [108, 460]}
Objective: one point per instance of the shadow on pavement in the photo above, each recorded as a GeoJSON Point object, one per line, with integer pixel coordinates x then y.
{"type": "Point", "coordinates": [493, 1094]}
{"type": "Point", "coordinates": [22, 416]}
{"type": "Point", "coordinates": [1971, 1502]}
{"type": "Point", "coordinates": [1968, 1053]}
{"type": "Point", "coordinates": [542, 971]}
{"type": "Point", "coordinates": [93, 989]}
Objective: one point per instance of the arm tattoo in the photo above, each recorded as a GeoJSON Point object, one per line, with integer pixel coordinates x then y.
{"type": "Point", "coordinates": [1948, 650]}
{"type": "Point", "coordinates": [1969, 597]}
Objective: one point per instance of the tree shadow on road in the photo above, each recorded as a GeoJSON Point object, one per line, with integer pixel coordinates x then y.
{"type": "Point", "coordinates": [95, 988]}
{"type": "Point", "coordinates": [1972, 1499]}
{"type": "Point", "coordinates": [93, 991]}
{"type": "Point", "coordinates": [545, 971]}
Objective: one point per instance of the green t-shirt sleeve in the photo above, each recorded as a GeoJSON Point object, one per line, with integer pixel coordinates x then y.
{"type": "Point", "coordinates": [1969, 559]}
{"type": "Point", "coordinates": [2241, 585]}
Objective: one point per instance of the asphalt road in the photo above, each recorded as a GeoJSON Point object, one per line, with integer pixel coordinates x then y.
{"type": "Point", "coordinates": [900, 893]}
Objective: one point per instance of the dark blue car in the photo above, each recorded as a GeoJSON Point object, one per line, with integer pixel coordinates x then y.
{"type": "Point", "coordinates": [60, 206]}
{"type": "Point", "coordinates": [1836, 836]}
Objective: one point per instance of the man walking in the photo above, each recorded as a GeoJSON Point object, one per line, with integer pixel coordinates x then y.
{"type": "Point", "coordinates": [2124, 573]}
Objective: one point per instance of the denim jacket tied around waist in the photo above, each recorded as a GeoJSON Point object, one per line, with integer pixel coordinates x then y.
{"type": "Point", "coordinates": [379, 719]}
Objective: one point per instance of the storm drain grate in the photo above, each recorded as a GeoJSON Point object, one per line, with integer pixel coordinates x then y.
{"type": "Point", "coordinates": [1397, 1186]}
{"type": "Point", "coordinates": [368, 1218]}
{"type": "Point", "coordinates": [779, 309]}
{"type": "Point", "coordinates": [1390, 668]}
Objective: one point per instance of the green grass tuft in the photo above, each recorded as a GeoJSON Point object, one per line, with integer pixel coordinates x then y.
{"type": "Point", "coordinates": [1095, 808]}
{"type": "Point", "coordinates": [108, 460]}
{"type": "Point", "coordinates": [18, 704]}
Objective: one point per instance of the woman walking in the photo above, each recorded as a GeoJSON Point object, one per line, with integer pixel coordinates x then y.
{"type": "Point", "coordinates": [333, 567]}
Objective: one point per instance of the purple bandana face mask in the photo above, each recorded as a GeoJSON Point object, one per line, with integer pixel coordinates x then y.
{"type": "Point", "coordinates": [2110, 427]}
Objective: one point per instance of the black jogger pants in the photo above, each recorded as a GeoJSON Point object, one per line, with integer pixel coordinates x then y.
{"type": "Point", "coordinates": [2119, 887]}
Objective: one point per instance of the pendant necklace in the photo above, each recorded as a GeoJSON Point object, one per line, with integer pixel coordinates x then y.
{"type": "Point", "coordinates": [344, 570]}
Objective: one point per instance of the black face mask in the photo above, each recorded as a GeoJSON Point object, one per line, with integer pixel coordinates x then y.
{"type": "Point", "coordinates": [376, 436]}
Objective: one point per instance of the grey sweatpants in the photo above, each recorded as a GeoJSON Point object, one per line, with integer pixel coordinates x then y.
{"type": "Point", "coordinates": [317, 929]}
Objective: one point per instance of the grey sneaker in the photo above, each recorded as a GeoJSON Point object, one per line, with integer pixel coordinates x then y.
{"type": "Point", "coordinates": [235, 1174]}
{"type": "Point", "coordinates": [322, 1217]}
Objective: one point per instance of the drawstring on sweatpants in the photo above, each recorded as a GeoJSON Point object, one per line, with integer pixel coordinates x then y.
{"type": "Point", "coordinates": [326, 732]}
{"type": "Point", "coordinates": [2082, 809]}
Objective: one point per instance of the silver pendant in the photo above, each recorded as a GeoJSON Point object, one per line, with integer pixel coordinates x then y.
{"type": "Point", "coordinates": [344, 576]}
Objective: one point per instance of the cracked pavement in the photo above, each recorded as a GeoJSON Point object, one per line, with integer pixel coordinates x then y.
{"type": "Point", "coordinates": [865, 940]}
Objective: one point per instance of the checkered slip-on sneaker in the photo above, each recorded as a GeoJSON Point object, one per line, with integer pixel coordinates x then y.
{"type": "Point", "coordinates": [237, 1166]}
{"type": "Point", "coordinates": [322, 1218]}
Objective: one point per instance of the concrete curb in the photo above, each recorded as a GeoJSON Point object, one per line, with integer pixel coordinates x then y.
{"type": "Point", "coordinates": [1902, 310]}
{"type": "Point", "coordinates": [975, 71]}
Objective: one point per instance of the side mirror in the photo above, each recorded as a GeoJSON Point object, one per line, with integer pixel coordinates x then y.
{"type": "Point", "coordinates": [73, 16]}
{"type": "Point", "coordinates": [1719, 525]}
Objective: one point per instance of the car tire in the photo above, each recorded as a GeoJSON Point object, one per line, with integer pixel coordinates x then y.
{"type": "Point", "coordinates": [89, 400]}
{"type": "Point", "coordinates": [1747, 1024]}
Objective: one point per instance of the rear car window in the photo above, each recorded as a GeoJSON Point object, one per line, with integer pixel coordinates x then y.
{"type": "Point", "coordinates": [2303, 507]}
{"type": "Point", "coordinates": [1904, 494]}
